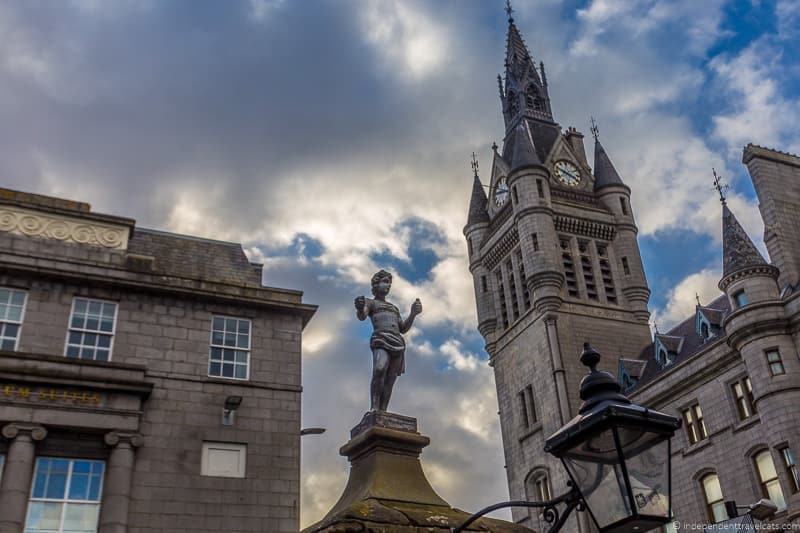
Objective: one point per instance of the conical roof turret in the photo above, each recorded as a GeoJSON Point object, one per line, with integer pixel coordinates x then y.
{"type": "Point", "coordinates": [604, 172]}
{"type": "Point", "coordinates": [523, 151]}
{"type": "Point", "coordinates": [738, 251]}
{"type": "Point", "coordinates": [478, 203]}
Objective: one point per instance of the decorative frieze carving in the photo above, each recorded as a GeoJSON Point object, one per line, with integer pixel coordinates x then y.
{"type": "Point", "coordinates": [581, 226]}
{"type": "Point", "coordinates": [501, 249]}
{"type": "Point", "coordinates": [20, 221]}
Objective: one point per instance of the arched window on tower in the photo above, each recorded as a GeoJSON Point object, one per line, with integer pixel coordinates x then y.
{"type": "Point", "coordinates": [533, 100]}
{"type": "Point", "coordinates": [715, 502]}
{"type": "Point", "coordinates": [537, 489]}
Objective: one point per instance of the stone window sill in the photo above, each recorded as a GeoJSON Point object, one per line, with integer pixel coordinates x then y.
{"type": "Point", "coordinates": [746, 423]}
{"type": "Point", "coordinates": [535, 428]}
{"type": "Point", "coordinates": [696, 447]}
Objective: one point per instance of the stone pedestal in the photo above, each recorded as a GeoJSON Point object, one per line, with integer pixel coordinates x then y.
{"type": "Point", "coordinates": [387, 490]}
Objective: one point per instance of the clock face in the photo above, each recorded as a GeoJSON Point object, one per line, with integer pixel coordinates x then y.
{"type": "Point", "coordinates": [567, 173]}
{"type": "Point", "coordinates": [501, 192]}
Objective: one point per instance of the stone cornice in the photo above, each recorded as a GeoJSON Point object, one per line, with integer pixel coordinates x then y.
{"type": "Point", "coordinates": [60, 227]}
{"type": "Point", "coordinates": [754, 270]}
{"type": "Point", "coordinates": [107, 275]}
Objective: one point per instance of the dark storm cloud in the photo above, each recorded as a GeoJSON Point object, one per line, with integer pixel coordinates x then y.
{"type": "Point", "coordinates": [198, 93]}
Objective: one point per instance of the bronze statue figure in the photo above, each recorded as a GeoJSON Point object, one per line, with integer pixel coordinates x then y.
{"type": "Point", "coordinates": [387, 343]}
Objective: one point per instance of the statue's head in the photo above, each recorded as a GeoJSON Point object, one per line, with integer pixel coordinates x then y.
{"type": "Point", "coordinates": [381, 282]}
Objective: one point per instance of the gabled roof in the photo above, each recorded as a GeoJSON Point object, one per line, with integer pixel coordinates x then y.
{"type": "Point", "coordinates": [714, 316]}
{"type": "Point", "coordinates": [690, 345]}
{"type": "Point", "coordinates": [672, 343]}
{"type": "Point", "coordinates": [634, 367]}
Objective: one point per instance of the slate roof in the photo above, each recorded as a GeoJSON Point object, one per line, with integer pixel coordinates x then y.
{"type": "Point", "coordinates": [634, 367]}
{"type": "Point", "coordinates": [691, 342]}
{"type": "Point", "coordinates": [192, 257]}
{"type": "Point", "coordinates": [523, 150]}
{"type": "Point", "coordinates": [477, 203]}
{"type": "Point", "coordinates": [604, 172]}
{"type": "Point", "coordinates": [738, 251]}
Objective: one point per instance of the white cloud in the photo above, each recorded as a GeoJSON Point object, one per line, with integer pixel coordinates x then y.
{"type": "Point", "coordinates": [682, 300]}
{"type": "Point", "coordinates": [758, 111]}
{"type": "Point", "coordinates": [406, 35]}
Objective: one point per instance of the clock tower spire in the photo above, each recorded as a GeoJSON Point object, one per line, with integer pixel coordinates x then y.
{"type": "Point", "coordinates": [555, 263]}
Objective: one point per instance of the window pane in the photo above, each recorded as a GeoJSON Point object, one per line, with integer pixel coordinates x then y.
{"type": "Point", "coordinates": [241, 371]}
{"type": "Point", "coordinates": [775, 494]}
{"type": "Point", "coordinates": [14, 313]}
{"type": "Point", "coordinates": [712, 488]}
{"type": "Point", "coordinates": [8, 344]}
{"type": "Point", "coordinates": [80, 307]}
{"type": "Point", "coordinates": [215, 369]}
{"type": "Point", "coordinates": [766, 468]}
{"type": "Point", "coordinates": [241, 357]}
{"type": "Point", "coordinates": [227, 370]}
{"type": "Point", "coordinates": [43, 516]}
{"type": "Point", "coordinates": [219, 323]}
{"type": "Point", "coordinates": [243, 341]}
{"type": "Point", "coordinates": [18, 298]}
{"type": "Point", "coordinates": [718, 512]}
{"type": "Point", "coordinates": [217, 337]}
{"type": "Point", "coordinates": [80, 518]}
{"type": "Point", "coordinates": [244, 327]}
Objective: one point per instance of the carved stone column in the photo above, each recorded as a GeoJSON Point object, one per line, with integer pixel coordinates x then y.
{"type": "Point", "coordinates": [18, 474]}
{"type": "Point", "coordinates": [119, 473]}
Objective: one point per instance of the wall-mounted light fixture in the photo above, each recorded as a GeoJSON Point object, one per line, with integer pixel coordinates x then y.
{"type": "Point", "coordinates": [232, 403]}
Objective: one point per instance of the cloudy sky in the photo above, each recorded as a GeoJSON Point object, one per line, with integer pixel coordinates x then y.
{"type": "Point", "coordinates": [332, 138]}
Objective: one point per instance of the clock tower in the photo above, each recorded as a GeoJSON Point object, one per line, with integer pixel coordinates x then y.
{"type": "Point", "coordinates": [555, 262]}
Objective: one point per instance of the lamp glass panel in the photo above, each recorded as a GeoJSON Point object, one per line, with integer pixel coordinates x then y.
{"type": "Point", "coordinates": [594, 466]}
{"type": "Point", "coordinates": [648, 471]}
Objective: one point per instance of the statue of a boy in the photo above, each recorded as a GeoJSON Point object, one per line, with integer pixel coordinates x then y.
{"type": "Point", "coordinates": [387, 343]}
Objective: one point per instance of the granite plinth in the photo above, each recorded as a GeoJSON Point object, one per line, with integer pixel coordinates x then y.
{"type": "Point", "coordinates": [387, 490]}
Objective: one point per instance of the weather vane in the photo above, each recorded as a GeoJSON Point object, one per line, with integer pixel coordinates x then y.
{"type": "Point", "coordinates": [720, 186]}
{"type": "Point", "coordinates": [474, 164]}
{"type": "Point", "coordinates": [509, 9]}
{"type": "Point", "coordinates": [594, 129]}
{"type": "Point", "coordinates": [697, 297]}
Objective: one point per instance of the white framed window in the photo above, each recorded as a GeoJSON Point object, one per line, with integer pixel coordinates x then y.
{"type": "Point", "coordinates": [224, 459]}
{"type": "Point", "coordinates": [65, 497]}
{"type": "Point", "coordinates": [229, 354]}
{"type": "Point", "coordinates": [768, 477]}
{"type": "Point", "coordinates": [92, 324]}
{"type": "Point", "coordinates": [715, 502]}
{"type": "Point", "coordinates": [12, 313]}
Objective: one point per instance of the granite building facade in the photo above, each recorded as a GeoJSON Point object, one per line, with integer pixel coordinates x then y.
{"type": "Point", "coordinates": [148, 381]}
{"type": "Point", "coordinates": [555, 261]}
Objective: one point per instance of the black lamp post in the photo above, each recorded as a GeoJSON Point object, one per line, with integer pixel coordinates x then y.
{"type": "Point", "coordinates": [617, 455]}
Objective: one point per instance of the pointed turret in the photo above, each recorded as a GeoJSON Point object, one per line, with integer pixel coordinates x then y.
{"type": "Point", "coordinates": [523, 152]}
{"type": "Point", "coordinates": [604, 172]}
{"type": "Point", "coordinates": [478, 203]}
{"type": "Point", "coordinates": [746, 276]}
{"type": "Point", "coordinates": [525, 91]}
{"type": "Point", "coordinates": [738, 251]}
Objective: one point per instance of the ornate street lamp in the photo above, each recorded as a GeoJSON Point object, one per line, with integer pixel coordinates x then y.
{"type": "Point", "coordinates": [617, 455]}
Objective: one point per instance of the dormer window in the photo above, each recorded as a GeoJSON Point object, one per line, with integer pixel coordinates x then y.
{"type": "Point", "coordinates": [704, 332]}
{"type": "Point", "coordinates": [662, 356]}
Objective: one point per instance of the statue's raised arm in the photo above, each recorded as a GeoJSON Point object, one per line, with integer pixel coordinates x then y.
{"type": "Point", "coordinates": [387, 343]}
